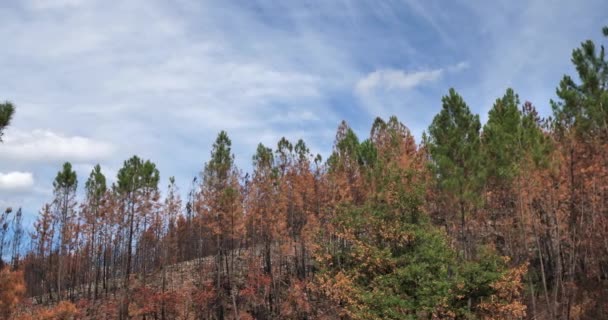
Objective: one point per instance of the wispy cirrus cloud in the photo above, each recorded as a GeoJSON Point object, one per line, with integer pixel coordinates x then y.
{"type": "Point", "coordinates": [525, 48]}
{"type": "Point", "coordinates": [394, 79]}
{"type": "Point", "coordinates": [389, 79]}
{"type": "Point", "coordinates": [387, 92]}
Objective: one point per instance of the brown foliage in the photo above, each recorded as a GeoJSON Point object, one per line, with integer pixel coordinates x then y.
{"type": "Point", "coordinates": [12, 289]}
{"type": "Point", "coordinates": [506, 302]}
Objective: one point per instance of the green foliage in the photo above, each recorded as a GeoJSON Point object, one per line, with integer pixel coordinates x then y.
{"type": "Point", "coordinates": [137, 175]}
{"type": "Point", "coordinates": [263, 157]}
{"type": "Point", "coordinates": [96, 184]}
{"type": "Point", "coordinates": [220, 176]}
{"type": "Point", "coordinates": [349, 153]}
{"type": "Point", "coordinates": [584, 106]}
{"type": "Point", "coordinates": [535, 144]}
{"type": "Point", "coordinates": [284, 152]}
{"type": "Point", "coordinates": [346, 149]}
{"type": "Point", "coordinates": [454, 145]}
{"type": "Point", "coordinates": [511, 138]}
{"type": "Point", "coordinates": [419, 282]}
{"type": "Point", "coordinates": [403, 268]}
{"type": "Point", "coordinates": [66, 180]}
{"type": "Point", "coordinates": [501, 138]}
{"type": "Point", "coordinates": [221, 163]}
{"type": "Point", "coordinates": [301, 150]}
{"type": "Point", "coordinates": [396, 264]}
{"type": "Point", "coordinates": [367, 154]}
{"type": "Point", "coordinates": [457, 164]}
{"type": "Point", "coordinates": [477, 276]}
{"type": "Point", "coordinates": [6, 115]}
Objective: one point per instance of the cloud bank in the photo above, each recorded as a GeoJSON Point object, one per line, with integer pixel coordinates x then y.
{"type": "Point", "coordinates": [49, 146]}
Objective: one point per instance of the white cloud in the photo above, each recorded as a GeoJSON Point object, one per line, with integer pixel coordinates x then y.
{"type": "Point", "coordinates": [16, 180]}
{"type": "Point", "coordinates": [391, 79]}
{"type": "Point", "coordinates": [383, 92]}
{"type": "Point", "coordinates": [197, 70]}
{"type": "Point", "coordinates": [45, 145]}
{"type": "Point", "coordinates": [395, 79]}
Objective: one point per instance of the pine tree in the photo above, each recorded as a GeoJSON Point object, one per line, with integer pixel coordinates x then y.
{"type": "Point", "coordinates": [42, 241]}
{"type": "Point", "coordinates": [573, 231]}
{"type": "Point", "coordinates": [95, 192]}
{"type": "Point", "coordinates": [7, 111]}
{"type": "Point", "coordinates": [137, 188]}
{"type": "Point", "coordinates": [502, 153]}
{"type": "Point", "coordinates": [584, 106]}
{"type": "Point", "coordinates": [345, 160]}
{"type": "Point", "coordinates": [266, 231]}
{"type": "Point", "coordinates": [454, 146]}
{"type": "Point", "coordinates": [500, 139]}
{"type": "Point", "coordinates": [392, 263]}
{"type": "Point", "coordinates": [65, 185]}
{"type": "Point", "coordinates": [220, 207]}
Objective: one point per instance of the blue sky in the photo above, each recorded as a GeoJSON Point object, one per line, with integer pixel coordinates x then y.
{"type": "Point", "coordinates": [97, 83]}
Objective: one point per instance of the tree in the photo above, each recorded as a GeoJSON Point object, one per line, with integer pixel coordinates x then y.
{"type": "Point", "coordinates": [502, 153]}
{"type": "Point", "coordinates": [172, 213]}
{"type": "Point", "coordinates": [168, 238]}
{"type": "Point", "coordinates": [38, 278]}
{"type": "Point", "coordinates": [64, 189]}
{"type": "Point", "coordinates": [500, 139]}
{"type": "Point", "coordinates": [454, 146]}
{"type": "Point", "coordinates": [6, 115]}
{"type": "Point", "coordinates": [266, 230]}
{"type": "Point", "coordinates": [393, 264]}
{"type": "Point", "coordinates": [137, 188]}
{"type": "Point", "coordinates": [515, 151]}
{"type": "Point", "coordinates": [266, 218]}
{"type": "Point", "coordinates": [4, 227]}
{"type": "Point", "coordinates": [220, 207]}
{"type": "Point", "coordinates": [17, 237]}
{"type": "Point", "coordinates": [584, 106]}
{"type": "Point", "coordinates": [96, 190]}
{"type": "Point", "coordinates": [345, 160]}
{"type": "Point", "coordinates": [296, 188]}
{"type": "Point", "coordinates": [573, 231]}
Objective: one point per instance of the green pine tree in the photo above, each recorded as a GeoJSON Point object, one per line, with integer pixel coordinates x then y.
{"type": "Point", "coordinates": [390, 261]}
{"type": "Point", "coordinates": [500, 139]}
{"type": "Point", "coordinates": [7, 111]}
{"type": "Point", "coordinates": [96, 184]}
{"type": "Point", "coordinates": [137, 182]}
{"type": "Point", "coordinates": [583, 105]}
{"type": "Point", "coordinates": [65, 185]}
{"type": "Point", "coordinates": [454, 145]}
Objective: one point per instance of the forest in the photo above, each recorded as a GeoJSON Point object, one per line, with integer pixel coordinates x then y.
{"type": "Point", "coordinates": [505, 220]}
